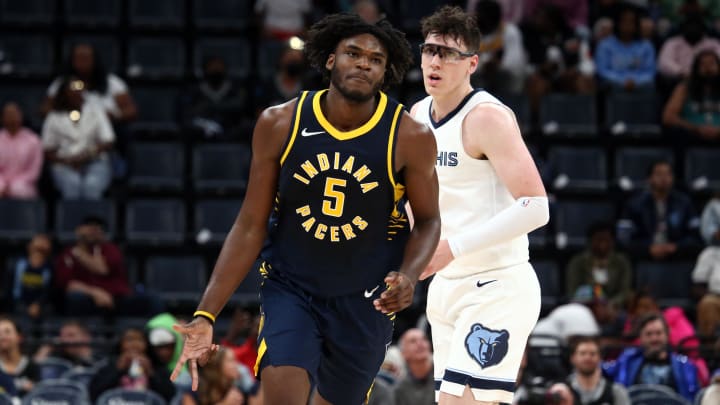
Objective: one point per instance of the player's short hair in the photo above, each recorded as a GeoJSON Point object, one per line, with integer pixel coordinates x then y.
{"type": "Point", "coordinates": [326, 34]}
{"type": "Point", "coordinates": [576, 341]}
{"type": "Point", "coordinates": [453, 22]}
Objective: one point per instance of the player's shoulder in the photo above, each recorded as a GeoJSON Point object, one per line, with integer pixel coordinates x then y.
{"type": "Point", "coordinates": [278, 114]}
{"type": "Point", "coordinates": [489, 111]}
{"type": "Point", "coordinates": [411, 128]}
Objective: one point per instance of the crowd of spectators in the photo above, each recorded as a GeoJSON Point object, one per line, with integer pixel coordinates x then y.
{"type": "Point", "coordinates": [669, 49]}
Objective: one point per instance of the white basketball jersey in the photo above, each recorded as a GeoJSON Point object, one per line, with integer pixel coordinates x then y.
{"type": "Point", "coordinates": [470, 191]}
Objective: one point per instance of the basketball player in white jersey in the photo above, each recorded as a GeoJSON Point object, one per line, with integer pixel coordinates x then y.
{"type": "Point", "coordinates": [485, 298]}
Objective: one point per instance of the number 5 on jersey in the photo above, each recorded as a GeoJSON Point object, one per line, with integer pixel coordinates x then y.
{"type": "Point", "coordinates": [333, 206]}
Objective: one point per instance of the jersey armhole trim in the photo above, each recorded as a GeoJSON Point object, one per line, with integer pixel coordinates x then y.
{"type": "Point", "coordinates": [293, 132]}
{"type": "Point", "coordinates": [391, 145]}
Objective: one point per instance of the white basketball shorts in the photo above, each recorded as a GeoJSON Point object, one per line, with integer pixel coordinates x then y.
{"type": "Point", "coordinates": [480, 326]}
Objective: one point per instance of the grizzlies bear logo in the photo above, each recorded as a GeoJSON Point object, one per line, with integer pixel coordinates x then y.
{"type": "Point", "coordinates": [488, 347]}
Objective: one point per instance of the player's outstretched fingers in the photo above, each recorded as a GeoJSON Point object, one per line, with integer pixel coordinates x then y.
{"type": "Point", "coordinates": [194, 374]}
{"type": "Point", "coordinates": [178, 368]}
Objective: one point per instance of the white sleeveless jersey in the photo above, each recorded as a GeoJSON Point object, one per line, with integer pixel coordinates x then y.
{"type": "Point", "coordinates": [470, 191]}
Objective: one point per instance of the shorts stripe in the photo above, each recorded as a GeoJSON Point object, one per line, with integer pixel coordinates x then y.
{"type": "Point", "coordinates": [476, 382]}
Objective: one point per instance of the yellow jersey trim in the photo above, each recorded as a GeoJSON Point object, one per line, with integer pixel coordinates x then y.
{"type": "Point", "coordinates": [261, 352]}
{"type": "Point", "coordinates": [391, 142]}
{"type": "Point", "coordinates": [345, 135]}
{"type": "Point", "coordinates": [296, 124]}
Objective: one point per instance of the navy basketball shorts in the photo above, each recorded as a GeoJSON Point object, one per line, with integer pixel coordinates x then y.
{"type": "Point", "coordinates": [340, 341]}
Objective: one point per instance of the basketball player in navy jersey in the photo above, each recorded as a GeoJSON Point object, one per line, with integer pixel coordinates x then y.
{"type": "Point", "coordinates": [485, 298]}
{"type": "Point", "coordinates": [333, 170]}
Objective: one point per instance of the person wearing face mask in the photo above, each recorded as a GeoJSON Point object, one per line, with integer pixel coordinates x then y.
{"type": "Point", "coordinates": [287, 81]}
{"type": "Point", "coordinates": [677, 53]}
{"type": "Point", "coordinates": [92, 275]}
{"type": "Point", "coordinates": [214, 104]}
{"type": "Point", "coordinates": [694, 107]}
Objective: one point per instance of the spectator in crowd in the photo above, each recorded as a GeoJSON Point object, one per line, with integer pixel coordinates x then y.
{"type": "Point", "coordinates": [77, 135]}
{"type": "Point", "coordinates": [625, 60]}
{"type": "Point", "coordinates": [653, 362]}
{"type": "Point", "coordinates": [7, 386]}
{"type": "Point", "coordinates": [674, 10]}
{"type": "Point", "coordinates": [287, 80]}
{"type": "Point", "coordinates": [32, 277]}
{"type": "Point", "coordinates": [677, 52]}
{"type": "Point", "coordinates": [132, 366]}
{"type": "Point", "coordinates": [587, 382]}
{"type": "Point", "coordinates": [92, 275]}
{"type": "Point", "coordinates": [245, 352]}
{"type": "Point", "coordinates": [216, 106]}
{"type": "Point", "coordinates": [283, 19]}
{"type": "Point", "coordinates": [710, 221]}
{"type": "Point", "coordinates": [513, 11]}
{"type": "Point", "coordinates": [418, 386]}
{"type": "Point", "coordinates": [559, 61]}
{"type": "Point", "coordinates": [574, 12]}
{"type": "Point", "coordinates": [572, 319]}
{"type": "Point", "coordinates": [218, 382]}
{"type": "Point", "coordinates": [102, 88]}
{"type": "Point", "coordinates": [73, 343]}
{"type": "Point", "coordinates": [661, 220]}
{"type": "Point", "coordinates": [706, 277]}
{"type": "Point", "coordinates": [13, 362]}
{"type": "Point", "coordinates": [166, 345]}
{"type": "Point", "coordinates": [368, 10]}
{"type": "Point", "coordinates": [21, 156]}
{"type": "Point", "coordinates": [501, 66]}
{"type": "Point", "coordinates": [694, 107]}
{"type": "Point", "coordinates": [600, 265]}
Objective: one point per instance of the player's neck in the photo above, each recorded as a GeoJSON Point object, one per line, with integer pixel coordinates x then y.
{"type": "Point", "coordinates": [444, 104]}
{"type": "Point", "coordinates": [345, 114]}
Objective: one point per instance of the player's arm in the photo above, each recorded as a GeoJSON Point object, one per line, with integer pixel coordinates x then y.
{"type": "Point", "coordinates": [416, 153]}
{"type": "Point", "coordinates": [245, 239]}
{"type": "Point", "coordinates": [491, 130]}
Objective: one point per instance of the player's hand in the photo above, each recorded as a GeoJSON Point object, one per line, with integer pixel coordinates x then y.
{"type": "Point", "coordinates": [442, 257]}
{"type": "Point", "coordinates": [397, 296]}
{"type": "Point", "coordinates": [197, 349]}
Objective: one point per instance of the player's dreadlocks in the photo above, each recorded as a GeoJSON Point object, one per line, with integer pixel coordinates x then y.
{"type": "Point", "coordinates": [326, 34]}
{"type": "Point", "coordinates": [453, 22]}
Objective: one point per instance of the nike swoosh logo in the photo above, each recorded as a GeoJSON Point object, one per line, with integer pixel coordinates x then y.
{"type": "Point", "coordinates": [306, 133]}
{"type": "Point", "coordinates": [369, 294]}
{"type": "Point", "coordinates": [479, 284]}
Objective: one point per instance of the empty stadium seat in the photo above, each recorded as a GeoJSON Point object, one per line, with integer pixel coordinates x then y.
{"type": "Point", "coordinates": [215, 217]}
{"type": "Point", "coordinates": [670, 283]}
{"type": "Point", "coordinates": [222, 14]}
{"type": "Point", "coordinates": [21, 219]}
{"type": "Point", "coordinates": [521, 107]}
{"type": "Point", "coordinates": [5, 399]}
{"type": "Point", "coordinates": [634, 114]}
{"type": "Point", "coordinates": [27, 12]}
{"type": "Point", "coordinates": [234, 51]}
{"type": "Point", "coordinates": [572, 219]}
{"type": "Point", "coordinates": [654, 394]}
{"type": "Point", "coordinates": [632, 164]}
{"type": "Point", "coordinates": [149, 221]}
{"type": "Point", "coordinates": [157, 111]}
{"type": "Point", "coordinates": [156, 13]}
{"type": "Point", "coordinates": [69, 214]}
{"type": "Point", "coordinates": [702, 169]}
{"type": "Point", "coordinates": [156, 58]}
{"type": "Point", "coordinates": [53, 368]}
{"type": "Point", "coordinates": [221, 168]}
{"type": "Point", "coordinates": [56, 395]}
{"type": "Point", "coordinates": [91, 13]}
{"type": "Point", "coordinates": [176, 278]}
{"type": "Point", "coordinates": [79, 375]}
{"type": "Point", "coordinates": [412, 11]}
{"type": "Point", "coordinates": [130, 396]}
{"type": "Point", "coordinates": [156, 166]}
{"type": "Point", "coordinates": [548, 275]}
{"type": "Point", "coordinates": [26, 55]}
{"type": "Point", "coordinates": [269, 52]}
{"type": "Point", "coordinates": [578, 168]}
{"type": "Point", "coordinates": [571, 115]}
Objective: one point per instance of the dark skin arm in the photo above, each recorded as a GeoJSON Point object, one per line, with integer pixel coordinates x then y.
{"type": "Point", "coordinates": [245, 238]}
{"type": "Point", "coordinates": [416, 153]}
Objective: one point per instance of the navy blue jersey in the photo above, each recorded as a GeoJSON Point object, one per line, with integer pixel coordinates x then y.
{"type": "Point", "coordinates": [339, 223]}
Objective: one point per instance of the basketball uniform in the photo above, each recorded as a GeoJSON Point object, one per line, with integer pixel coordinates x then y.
{"type": "Point", "coordinates": [482, 306]}
{"type": "Point", "coordinates": [337, 228]}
